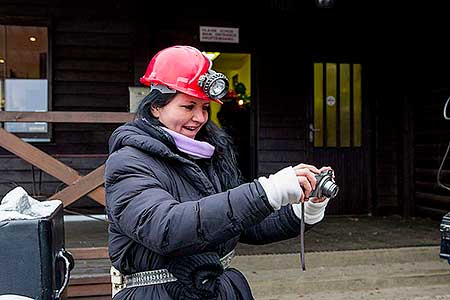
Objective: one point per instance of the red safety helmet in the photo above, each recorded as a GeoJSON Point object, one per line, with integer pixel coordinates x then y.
{"type": "Point", "coordinates": [187, 70]}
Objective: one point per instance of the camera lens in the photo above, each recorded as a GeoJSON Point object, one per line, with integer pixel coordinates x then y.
{"type": "Point", "coordinates": [330, 189]}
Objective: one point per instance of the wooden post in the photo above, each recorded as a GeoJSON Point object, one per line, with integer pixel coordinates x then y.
{"type": "Point", "coordinates": [81, 187]}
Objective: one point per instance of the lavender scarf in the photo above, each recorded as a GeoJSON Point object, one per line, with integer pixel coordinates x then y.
{"type": "Point", "coordinates": [194, 148]}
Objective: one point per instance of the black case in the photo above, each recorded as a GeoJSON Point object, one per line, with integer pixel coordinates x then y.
{"type": "Point", "coordinates": [445, 237]}
{"type": "Point", "coordinates": [33, 261]}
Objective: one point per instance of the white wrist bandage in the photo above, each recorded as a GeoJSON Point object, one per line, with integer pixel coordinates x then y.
{"type": "Point", "coordinates": [314, 212]}
{"type": "Point", "coordinates": [281, 188]}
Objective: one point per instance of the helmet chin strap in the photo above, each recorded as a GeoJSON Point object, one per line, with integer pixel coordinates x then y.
{"type": "Point", "coordinates": [162, 88]}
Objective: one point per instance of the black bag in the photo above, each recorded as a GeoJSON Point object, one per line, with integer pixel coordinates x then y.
{"type": "Point", "coordinates": [33, 262]}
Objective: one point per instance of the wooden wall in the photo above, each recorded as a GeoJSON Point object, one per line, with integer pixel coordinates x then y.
{"type": "Point", "coordinates": [92, 70]}
{"type": "Point", "coordinates": [431, 141]}
{"type": "Point", "coordinates": [282, 74]}
{"type": "Point", "coordinates": [409, 87]}
{"type": "Point", "coordinates": [387, 155]}
{"type": "Point", "coordinates": [432, 131]}
{"type": "Point", "coordinates": [92, 66]}
{"type": "Point", "coordinates": [285, 106]}
{"type": "Point", "coordinates": [99, 49]}
{"type": "Point", "coordinates": [281, 119]}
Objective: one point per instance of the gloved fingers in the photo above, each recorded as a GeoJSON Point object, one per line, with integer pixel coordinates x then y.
{"type": "Point", "coordinates": [305, 172]}
{"type": "Point", "coordinates": [306, 186]}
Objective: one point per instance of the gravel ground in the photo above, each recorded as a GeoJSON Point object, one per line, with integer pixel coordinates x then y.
{"type": "Point", "coordinates": [333, 233]}
{"type": "Point", "coordinates": [357, 233]}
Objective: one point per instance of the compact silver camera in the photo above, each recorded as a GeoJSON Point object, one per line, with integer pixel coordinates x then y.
{"type": "Point", "coordinates": [445, 237]}
{"type": "Point", "coordinates": [325, 185]}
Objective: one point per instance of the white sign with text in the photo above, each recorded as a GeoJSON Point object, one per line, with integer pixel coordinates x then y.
{"type": "Point", "coordinates": [219, 34]}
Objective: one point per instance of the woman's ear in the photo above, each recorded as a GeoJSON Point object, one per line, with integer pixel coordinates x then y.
{"type": "Point", "coordinates": [155, 112]}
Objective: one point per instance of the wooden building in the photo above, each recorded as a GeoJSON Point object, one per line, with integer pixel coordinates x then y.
{"type": "Point", "coordinates": [359, 88]}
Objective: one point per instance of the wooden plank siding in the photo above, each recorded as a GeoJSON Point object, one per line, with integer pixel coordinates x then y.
{"type": "Point", "coordinates": [387, 157]}
{"type": "Point", "coordinates": [431, 141]}
{"type": "Point", "coordinates": [98, 49]}
{"type": "Point", "coordinates": [92, 65]}
{"type": "Point", "coordinates": [284, 107]}
{"type": "Point", "coordinates": [392, 148]}
{"type": "Point", "coordinates": [280, 108]}
{"type": "Point", "coordinates": [281, 140]}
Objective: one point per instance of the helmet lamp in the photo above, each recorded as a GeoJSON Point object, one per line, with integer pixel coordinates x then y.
{"type": "Point", "coordinates": [215, 85]}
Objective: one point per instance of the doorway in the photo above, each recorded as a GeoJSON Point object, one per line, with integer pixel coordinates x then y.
{"type": "Point", "coordinates": [234, 115]}
{"type": "Point", "coordinates": [336, 133]}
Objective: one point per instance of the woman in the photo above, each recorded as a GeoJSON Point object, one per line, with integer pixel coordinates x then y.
{"type": "Point", "coordinates": [175, 201]}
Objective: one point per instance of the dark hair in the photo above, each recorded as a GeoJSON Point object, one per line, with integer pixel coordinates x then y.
{"type": "Point", "coordinates": [154, 99]}
{"type": "Point", "coordinates": [224, 159]}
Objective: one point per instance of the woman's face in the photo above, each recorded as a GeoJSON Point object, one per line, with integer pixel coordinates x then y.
{"type": "Point", "coordinates": [184, 114]}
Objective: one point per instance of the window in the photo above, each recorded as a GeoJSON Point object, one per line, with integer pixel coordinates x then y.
{"type": "Point", "coordinates": [337, 105]}
{"type": "Point", "coordinates": [24, 78]}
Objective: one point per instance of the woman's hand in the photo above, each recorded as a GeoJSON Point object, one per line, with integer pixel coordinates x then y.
{"type": "Point", "coordinates": [317, 200]}
{"type": "Point", "coordinates": [306, 175]}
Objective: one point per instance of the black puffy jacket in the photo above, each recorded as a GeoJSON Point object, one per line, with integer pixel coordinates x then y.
{"type": "Point", "coordinates": [162, 205]}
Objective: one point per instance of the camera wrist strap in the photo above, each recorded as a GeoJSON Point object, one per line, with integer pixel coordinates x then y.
{"type": "Point", "coordinates": [302, 238]}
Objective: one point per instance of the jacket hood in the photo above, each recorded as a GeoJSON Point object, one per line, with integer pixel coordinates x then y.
{"type": "Point", "coordinates": [144, 136]}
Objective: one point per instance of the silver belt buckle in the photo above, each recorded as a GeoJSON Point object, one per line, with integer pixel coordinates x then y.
{"type": "Point", "coordinates": [117, 281]}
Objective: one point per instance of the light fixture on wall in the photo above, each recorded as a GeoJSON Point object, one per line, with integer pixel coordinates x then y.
{"type": "Point", "coordinates": [33, 39]}
{"type": "Point", "coordinates": [325, 3]}
{"type": "Point", "coordinates": [2, 61]}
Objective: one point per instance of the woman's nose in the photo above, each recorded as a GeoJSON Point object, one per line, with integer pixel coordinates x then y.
{"type": "Point", "coordinates": [199, 115]}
